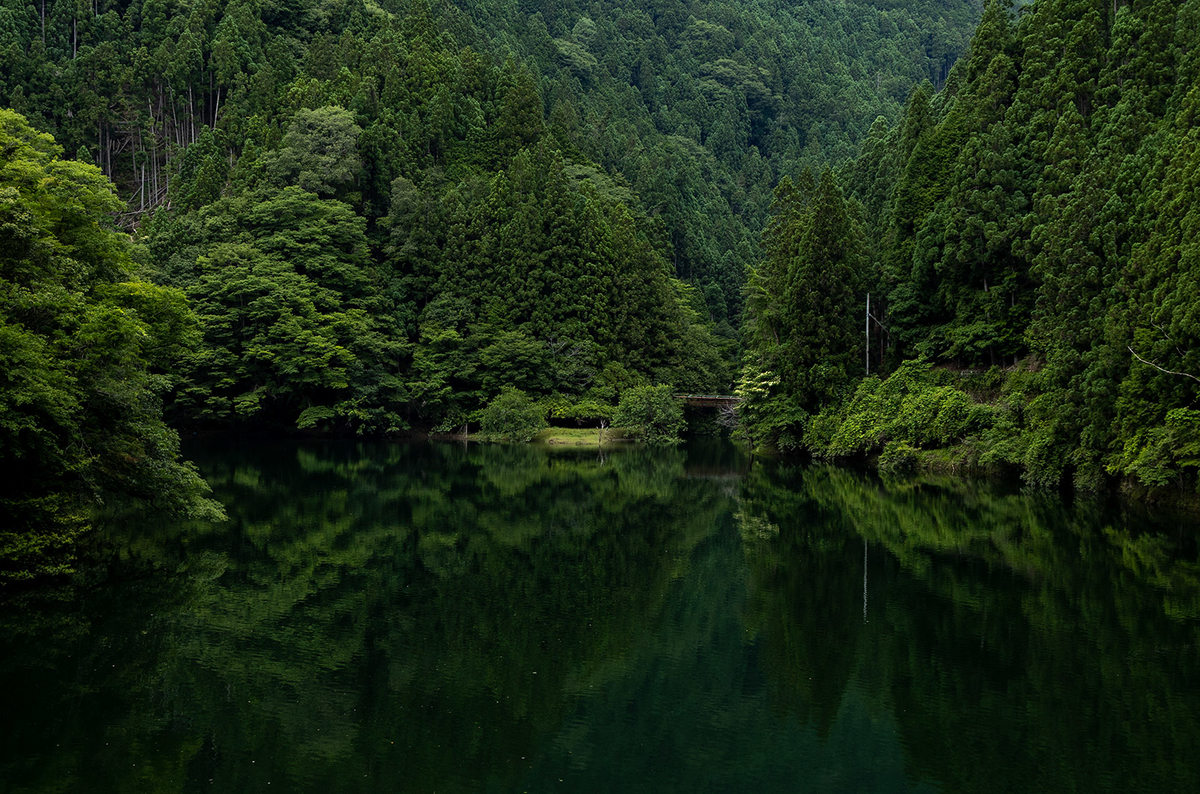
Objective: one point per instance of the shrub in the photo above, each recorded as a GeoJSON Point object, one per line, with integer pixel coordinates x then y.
{"type": "Point", "coordinates": [1159, 455]}
{"type": "Point", "coordinates": [650, 414]}
{"type": "Point", "coordinates": [512, 416]}
{"type": "Point", "coordinates": [939, 416]}
{"type": "Point", "coordinates": [581, 410]}
{"type": "Point", "coordinates": [898, 459]}
{"type": "Point", "coordinates": [910, 407]}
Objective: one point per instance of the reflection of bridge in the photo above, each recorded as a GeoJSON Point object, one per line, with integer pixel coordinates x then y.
{"type": "Point", "coordinates": [708, 400]}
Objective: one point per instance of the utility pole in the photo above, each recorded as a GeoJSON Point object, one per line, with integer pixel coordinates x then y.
{"type": "Point", "coordinates": [868, 328]}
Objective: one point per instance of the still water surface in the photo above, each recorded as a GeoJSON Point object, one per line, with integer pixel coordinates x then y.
{"type": "Point", "coordinates": [408, 617]}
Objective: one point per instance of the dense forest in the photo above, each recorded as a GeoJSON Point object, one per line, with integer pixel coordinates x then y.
{"type": "Point", "coordinates": [351, 217]}
{"type": "Point", "coordinates": [1030, 236]}
{"type": "Point", "coordinates": [695, 108]}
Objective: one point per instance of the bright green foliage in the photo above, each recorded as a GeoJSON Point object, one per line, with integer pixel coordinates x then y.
{"type": "Point", "coordinates": [651, 414]}
{"type": "Point", "coordinates": [295, 330]}
{"type": "Point", "coordinates": [318, 153]}
{"type": "Point", "coordinates": [898, 459]}
{"type": "Point", "coordinates": [380, 225]}
{"type": "Point", "coordinates": [399, 240]}
{"type": "Point", "coordinates": [912, 407]}
{"type": "Point", "coordinates": [1168, 452]}
{"type": "Point", "coordinates": [590, 411]}
{"type": "Point", "coordinates": [1155, 406]}
{"type": "Point", "coordinates": [1041, 208]}
{"type": "Point", "coordinates": [85, 354]}
{"type": "Point", "coordinates": [768, 415]}
{"type": "Point", "coordinates": [512, 416]}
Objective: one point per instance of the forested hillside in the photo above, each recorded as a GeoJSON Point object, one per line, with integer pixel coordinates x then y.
{"type": "Point", "coordinates": [362, 218]}
{"type": "Point", "coordinates": [1029, 235]}
{"type": "Point", "coordinates": [695, 108]}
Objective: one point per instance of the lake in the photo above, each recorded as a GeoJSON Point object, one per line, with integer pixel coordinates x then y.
{"type": "Point", "coordinates": [438, 618]}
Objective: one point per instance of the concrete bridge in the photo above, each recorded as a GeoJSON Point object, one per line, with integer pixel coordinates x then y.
{"type": "Point", "coordinates": [708, 400]}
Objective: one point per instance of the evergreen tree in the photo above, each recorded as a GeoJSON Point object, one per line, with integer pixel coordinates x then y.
{"type": "Point", "coordinates": [805, 309]}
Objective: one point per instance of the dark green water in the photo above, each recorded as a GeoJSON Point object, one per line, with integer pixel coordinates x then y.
{"type": "Point", "coordinates": [387, 617]}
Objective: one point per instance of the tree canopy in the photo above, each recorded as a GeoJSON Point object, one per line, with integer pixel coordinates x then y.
{"type": "Point", "coordinates": [86, 352]}
{"type": "Point", "coordinates": [360, 218]}
{"type": "Point", "coordinates": [1035, 218]}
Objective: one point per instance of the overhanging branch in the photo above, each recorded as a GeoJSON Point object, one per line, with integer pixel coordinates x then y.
{"type": "Point", "coordinates": [1162, 369]}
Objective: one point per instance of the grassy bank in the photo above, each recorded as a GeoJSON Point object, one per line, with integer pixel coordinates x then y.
{"type": "Point", "coordinates": [581, 437]}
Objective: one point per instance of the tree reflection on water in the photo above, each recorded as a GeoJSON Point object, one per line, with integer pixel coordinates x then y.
{"type": "Point", "coordinates": [418, 617]}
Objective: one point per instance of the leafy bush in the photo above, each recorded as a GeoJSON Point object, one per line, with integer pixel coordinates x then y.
{"type": "Point", "coordinates": [1159, 455]}
{"type": "Point", "coordinates": [911, 408]}
{"type": "Point", "coordinates": [938, 416]}
{"type": "Point", "coordinates": [651, 414]}
{"type": "Point", "coordinates": [898, 459]}
{"type": "Point", "coordinates": [580, 410]}
{"type": "Point", "coordinates": [512, 416]}
{"type": "Point", "coordinates": [767, 416]}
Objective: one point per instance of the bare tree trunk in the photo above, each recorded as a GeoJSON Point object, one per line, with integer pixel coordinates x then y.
{"type": "Point", "coordinates": [153, 149]}
{"type": "Point", "coordinates": [175, 127]}
{"type": "Point", "coordinates": [142, 146]}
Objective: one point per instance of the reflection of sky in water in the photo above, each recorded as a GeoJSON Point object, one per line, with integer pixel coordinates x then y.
{"type": "Point", "coordinates": [382, 617]}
